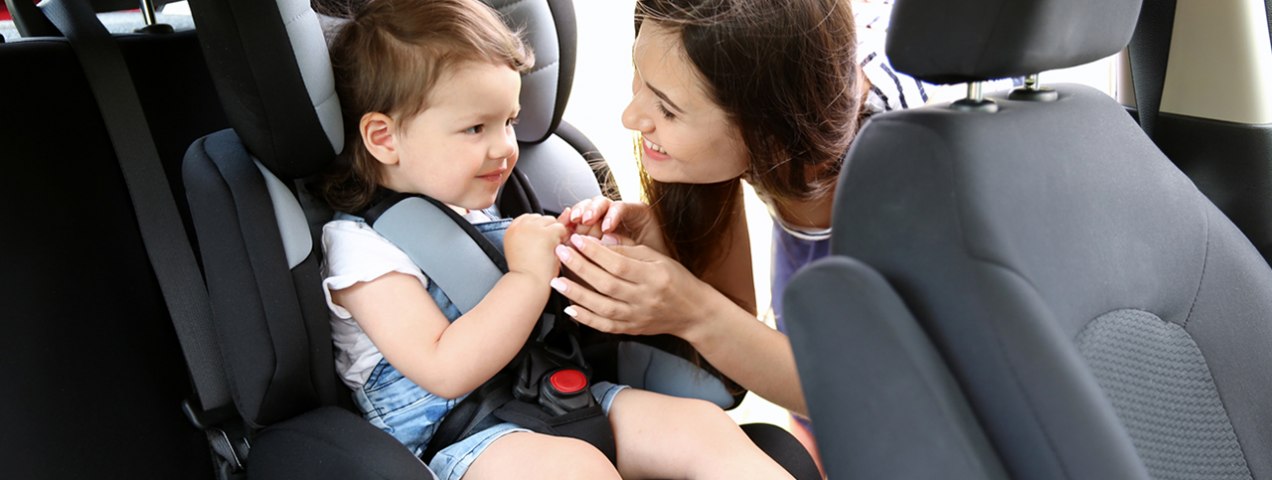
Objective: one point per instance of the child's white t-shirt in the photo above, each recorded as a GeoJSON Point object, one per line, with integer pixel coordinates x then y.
{"type": "Point", "coordinates": [356, 253]}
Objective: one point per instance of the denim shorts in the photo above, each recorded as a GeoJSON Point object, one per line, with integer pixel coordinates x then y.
{"type": "Point", "coordinates": [452, 462]}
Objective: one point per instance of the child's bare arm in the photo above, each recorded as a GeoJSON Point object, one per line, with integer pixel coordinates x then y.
{"type": "Point", "coordinates": [452, 359]}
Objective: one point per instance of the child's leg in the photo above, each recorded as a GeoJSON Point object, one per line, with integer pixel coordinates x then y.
{"type": "Point", "coordinates": [660, 436]}
{"type": "Point", "coordinates": [531, 455]}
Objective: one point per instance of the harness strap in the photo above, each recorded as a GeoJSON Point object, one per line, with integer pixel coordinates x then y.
{"type": "Point", "coordinates": [469, 265]}
{"type": "Point", "coordinates": [520, 393]}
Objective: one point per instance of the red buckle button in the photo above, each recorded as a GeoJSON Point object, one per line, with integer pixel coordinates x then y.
{"type": "Point", "coordinates": [568, 381]}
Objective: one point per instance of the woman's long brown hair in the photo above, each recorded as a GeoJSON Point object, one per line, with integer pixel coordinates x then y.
{"type": "Point", "coordinates": [786, 73]}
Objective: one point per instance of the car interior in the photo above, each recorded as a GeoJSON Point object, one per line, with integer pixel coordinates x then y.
{"type": "Point", "coordinates": [1038, 283]}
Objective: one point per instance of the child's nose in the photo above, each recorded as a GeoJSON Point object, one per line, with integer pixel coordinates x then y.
{"type": "Point", "coordinates": [505, 146]}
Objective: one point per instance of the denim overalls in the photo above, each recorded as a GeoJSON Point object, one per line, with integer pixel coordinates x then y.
{"type": "Point", "coordinates": [395, 404]}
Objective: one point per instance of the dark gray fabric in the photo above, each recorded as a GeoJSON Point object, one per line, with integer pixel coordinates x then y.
{"type": "Point", "coordinates": [1161, 387]}
{"type": "Point", "coordinates": [277, 348]}
{"type": "Point", "coordinates": [1231, 322]}
{"type": "Point", "coordinates": [1005, 238]}
{"type": "Point", "coordinates": [878, 392]}
{"type": "Point", "coordinates": [330, 443]}
{"type": "Point", "coordinates": [1005, 233]}
{"type": "Point", "coordinates": [941, 41]}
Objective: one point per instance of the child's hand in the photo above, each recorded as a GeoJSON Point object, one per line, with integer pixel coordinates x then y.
{"type": "Point", "coordinates": [613, 222]}
{"type": "Point", "coordinates": [529, 244]}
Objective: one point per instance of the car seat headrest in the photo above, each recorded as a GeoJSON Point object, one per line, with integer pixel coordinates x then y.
{"type": "Point", "coordinates": [271, 68]}
{"type": "Point", "coordinates": [548, 27]}
{"type": "Point", "coordinates": [943, 42]}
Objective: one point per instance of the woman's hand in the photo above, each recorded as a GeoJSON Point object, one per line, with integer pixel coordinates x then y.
{"type": "Point", "coordinates": [527, 242]}
{"type": "Point", "coordinates": [632, 289]}
{"type": "Point", "coordinates": [626, 222]}
{"type": "Point", "coordinates": [636, 290]}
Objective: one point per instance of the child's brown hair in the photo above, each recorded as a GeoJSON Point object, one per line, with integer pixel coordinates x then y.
{"type": "Point", "coordinates": [388, 58]}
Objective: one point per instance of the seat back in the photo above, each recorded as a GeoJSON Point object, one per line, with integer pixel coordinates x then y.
{"type": "Point", "coordinates": [95, 374]}
{"type": "Point", "coordinates": [1101, 316]}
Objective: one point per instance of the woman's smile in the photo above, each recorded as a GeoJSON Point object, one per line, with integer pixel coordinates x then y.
{"type": "Point", "coordinates": [654, 151]}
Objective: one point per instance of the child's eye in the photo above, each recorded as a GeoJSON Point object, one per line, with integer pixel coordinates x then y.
{"type": "Point", "coordinates": [512, 122]}
{"type": "Point", "coordinates": [475, 129]}
{"type": "Point", "coordinates": [666, 113]}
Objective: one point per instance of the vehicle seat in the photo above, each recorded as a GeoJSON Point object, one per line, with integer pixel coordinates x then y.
{"type": "Point", "coordinates": [1098, 314]}
{"type": "Point", "coordinates": [258, 226]}
{"type": "Point", "coordinates": [95, 378]}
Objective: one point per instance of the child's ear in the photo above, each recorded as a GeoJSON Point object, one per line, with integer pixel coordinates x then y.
{"type": "Point", "coordinates": [377, 137]}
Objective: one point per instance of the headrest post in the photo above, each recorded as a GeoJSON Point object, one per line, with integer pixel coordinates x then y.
{"type": "Point", "coordinates": [1033, 91]}
{"type": "Point", "coordinates": [152, 23]}
{"type": "Point", "coordinates": [975, 92]}
{"type": "Point", "coordinates": [975, 101]}
{"type": "Point", "coordinates": [1031, 81]}
{"type": "Point", "coordinates": [148, 12]}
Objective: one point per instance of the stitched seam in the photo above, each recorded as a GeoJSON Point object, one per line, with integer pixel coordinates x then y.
{"type": "Point", "coordinates": [1205, 261]}
{"type": "Point", "coordinates": [324, 100]}
{"type": "Point", "coordinates": [296, 17]}
{"type": "Point", "coordinates": [998, 340]}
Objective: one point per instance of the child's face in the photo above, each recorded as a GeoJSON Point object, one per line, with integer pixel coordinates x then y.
{"type": "Point", "coordinates": [461, 148]}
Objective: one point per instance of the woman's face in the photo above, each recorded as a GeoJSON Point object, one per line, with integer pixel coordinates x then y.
{"type": "Point", "coordinates": [685, 136]}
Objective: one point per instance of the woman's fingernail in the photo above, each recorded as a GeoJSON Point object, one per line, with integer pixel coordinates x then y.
{"type": "Point", "coordinates": [563, 253]}
{"type": "Point", "coordinates": [577, 240]}
{"type": "Point", "coordinates": [587, 216]}
{"type": "Point", "coordinates": [574, 215]}
{"type": "Point", "coordinates": [571, 311]}
{"type": "Point", "coordinates": [605, 226]}
{"type": "Point", "coordinates": [608, 239]}
{"type": "Point", "coordinates": [558, 285]}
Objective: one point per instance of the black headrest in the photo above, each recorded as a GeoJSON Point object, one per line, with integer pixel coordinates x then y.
{"type": "Point", "coordinates": [952, 41]}
{"type": "Point", "coordinates": [272, 71]}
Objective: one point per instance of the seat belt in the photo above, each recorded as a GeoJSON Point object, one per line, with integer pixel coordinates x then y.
{"type": "Point", "coordinates": [162, 232]}
{"type": "Point", "coordinates": [1149, 52]}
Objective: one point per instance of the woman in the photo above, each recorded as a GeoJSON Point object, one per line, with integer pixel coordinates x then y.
{"type": "Point", "coordinates": [725, 91]}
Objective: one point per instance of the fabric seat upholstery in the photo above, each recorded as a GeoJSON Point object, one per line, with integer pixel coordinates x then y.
{"type": "Point", "coordinates": [1102, 318]}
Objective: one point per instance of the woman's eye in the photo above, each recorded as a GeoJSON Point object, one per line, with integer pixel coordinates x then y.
{"type": "Point", "coordinates": [666, 113]}
{"type": "Point", "coordinates": [475, 129]}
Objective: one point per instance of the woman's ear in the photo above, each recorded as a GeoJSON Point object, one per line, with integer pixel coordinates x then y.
{"type": "Point", "coordinates": [377, 137]}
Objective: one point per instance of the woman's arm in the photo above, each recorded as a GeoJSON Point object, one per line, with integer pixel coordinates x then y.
{"type": "Point", "coordinates": [447, 359]}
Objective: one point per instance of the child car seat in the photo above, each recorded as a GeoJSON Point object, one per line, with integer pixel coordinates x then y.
{"type": "Point", "coordinates": [1100, 316]}
{"type": "Point", "coordinates": [257, 225]}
